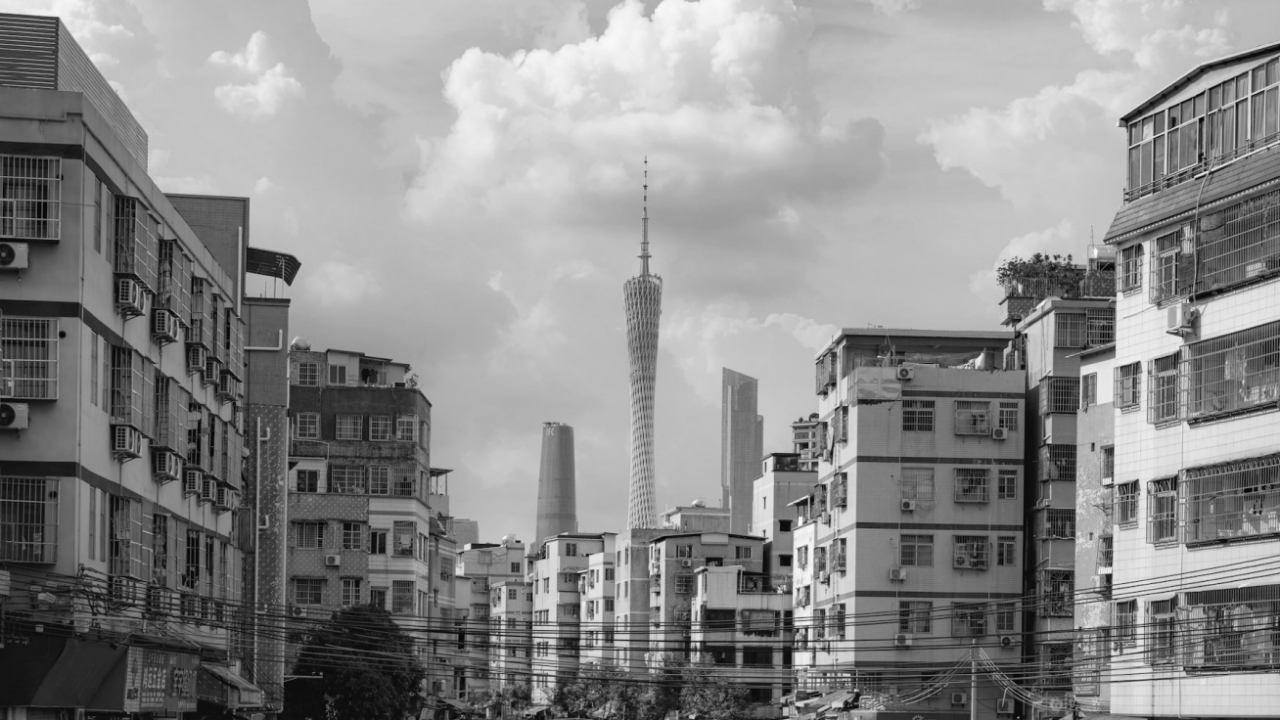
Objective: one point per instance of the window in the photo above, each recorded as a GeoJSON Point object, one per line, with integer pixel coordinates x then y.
{"type": "Point", "coordinates": [1229, 627]}
{"type": "Point", "coordinates": [1164, 263]}
{"type": "Point", "coordinates": [1124, 622]}
{"type": "Point", "coordinates": [1100, 326]}
{"type": "Point", "coordinates": [308, 591]}
{"type": "Point", "coordinates": [349, 427]}
{"type": "Point", "coordinates": [352, 536]}
{"type": "Point", "coordinates": [742, 552]}
{"type": "Point", "coordinates": [684, 583]}
{"type": "Point", "coordinates": [917, 415]}
{"type": "Point", "coordinates": [784, 526]}
{"type": "Point", "coordinates": [1058, 462]}
{"type": "Point", "coordinates": [571, 549]}
{"type": "Point", "coordinates": [973, 417]}
{"type": "Point", "coordinates": [407, 428]}
{"type": "Point", "coordinates": [1007, 551]}
{"type": "Point", "coordinates": [784, 560]}
{"type": "Point", "coordinates": [1234, 372]}
{"type": "Point", "coordinates": [1008, 485]}
{"type": "Point", "coordinates": [917, 550]}
{"type": "Point", "coordinates": [337, 374]}
{"type": "Point", "coordinates": [1238, 244]}
{"type": "Point", "coordinates": [684, 551]}
{"type": "Point", "coordinates": [1238, 499]}
{"type": "Point", "coordinates": [1060, 523]}
{"type": "Point", "coordinates": [917, 485]}
{"type": "Point", "coordinates": [378, 598]}
{"type": "Point", "coordinates": [378, 542]}
{"type": "Point", "coordinates": [30, 197]}
{"type": "Point", "coordinates": [307, 427]}
{"type": "Point", "coordinates": [380, 427]}
{"type": "Point", "coordinates": [309, 374]}
{"type": "Point", "coordinates": [1108, 470]}
{"type": "Point", "coordinates": [608, 604]}
{"type": "Point", "coordinates": [972, 552]}
{"type": "Point", "coordinates": [1009, 416]}
{"type": "Point", "coordinates": [1068, 330]}
{"type": "Point", "coordinates": [1162, 400]}
{"type": "Point", "coordinates": [1006, 617]}
{"type": "Point", "coordinates": [29, 520]}
{"type": "Point", "coordinates": [608, 573]}
{"type": "Point", "coordinates": [346, 479]}
{"type": "Point", "coordinates": [914, 616]}
{"type": "Point", "coordinates": [308, 481]}
{"type": "Point", "coordinates": [973, 485]}
{"type": "Point", "coordinates": [93, 370]}
{"type": "Point", "coordinates": [1162, 511]}
{"type": "Point", "coordinates": [350, 592]}
{"type": "Point", "coordinates": [1161, 631]}
{"type": "Point", "coordinates": [1088, 391]}
{"type": "Point", "coordinates": [1056, 589]}
{"type": "Point", "coordinates": [379, 480]}
{"type": "Point", "coordinates": [97, 214]}
{"type": "Point", "coordinates": [1128, 385]}
{"type": "Point", "coordinates": [402, 592]}
{"type": "Point", "coordinates": [802, 557]}
{"type": "Point", "coordinates": [515, 568]}
{"type": "Point", "coordinates": [309, 534]}
{"type": "Point", "coordinates": [1130, 268]}
{"type": "Point", "coordinates": [29, 348]}
{"type": "Point", "coordinates": [1127, 504]}
{"type": "Point", "coordinates": [968, 619]}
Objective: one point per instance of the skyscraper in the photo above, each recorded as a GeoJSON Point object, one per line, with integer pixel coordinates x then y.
{"type": "Point", "coordinates": [741, 446]}
{"type": "Point", "coordinates": [557, 493]}
{"type": "Point", "coordinates": [644, 307]}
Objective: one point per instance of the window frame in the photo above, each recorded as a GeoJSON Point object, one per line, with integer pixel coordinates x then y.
{"type": "Point", "coordinates": [314, 589]}
{"type": "Point", "coordinates": [919, 415]}
{"type": "Point", "coordinates": [309, 374]}
{"type": "Point", "coordinates": [381, 428]}
{"type": "Point", "coordinates": [968, 619]}
{"type": "Point", "coordinates": [1129, 269]}
{"type": "Point", "coordinates": [1007, 484]}
{"type": "Point", "coordinates": [348, 427]}
{"type": "Point", "coordinates": [921, 553]}
{"type": "Point", "coordinates": [915, 617]}
{"type": "Point", "coordinates": [1128, 386]}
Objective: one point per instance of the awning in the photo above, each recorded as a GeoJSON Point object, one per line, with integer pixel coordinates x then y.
{"type": "Point", "coordinates": [79, 672]}
{"type": "Point", "coordinates": [271, 263]}
{"type": "Point", "coordinates": [242, 693]}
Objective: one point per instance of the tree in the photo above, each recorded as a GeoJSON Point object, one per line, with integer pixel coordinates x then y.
{"type": "Point", "coordinates": [366, 669]}
{"type": "Point", "coordinates": [1042, 274]}
{"type": "Point", "coordinates": [708, 695]}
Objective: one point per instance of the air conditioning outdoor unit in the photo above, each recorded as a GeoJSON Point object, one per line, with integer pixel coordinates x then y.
{"type": "Point", "coordinates": [166, 465]}
{"type": "Point", "coordinates": [824, 577]}
{"type": "Point", "coordinates": [908, 506]}
{"type": "Point", "coordinates": [959, 698]}
{"type": "Point", "coordinates": [332, 560]}
{"type": "Point", "coordinates": [906, 373]}
{"type": "Point", "coordinates": [902, 640]}
{"type": "Point", "coordinates": [1181, 319]}
{"type": "Point", "coordinates": [14, 416]}
{"type": "Point", "coordinates": [207, 490]}
{"type": "Point", "coordinates": [196, 356]}
{"type": "Point", "coordinates": [296, 611]}
{"type": "Point", "coordinates": [13, 256]}
{"type": "Point", "coordinates": [897, 573]}
{"type": "Point", "coordinates": [130, 298]}
{"type": "Point", "coordinates": [126, 442]}
{"type": "Point", "coordinates": [164, 326]}
{"type": "Point", "coordinates": [1004, 706]}
{"type": "Point", "coordinates": [222, 500]}
{"type": "Point", "coordinates": [1006, 641]}
{"type": "Point", "coordinates": [191, 481]}
{"type": "Point", "coordinates": [686, 563]}
{"type": "Point", "coordinates": [962, 561]}
{"type": "Point", "coordinates": [1000, 433]}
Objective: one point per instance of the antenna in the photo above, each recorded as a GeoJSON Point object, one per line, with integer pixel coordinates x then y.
{"type": "Point", "coordinates": [644, 238]}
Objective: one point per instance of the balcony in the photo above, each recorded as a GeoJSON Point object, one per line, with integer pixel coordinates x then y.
{"type": "Point", "coordinates": [1028, 284]}
{"type": "Point", "coordinates": [766, 584]}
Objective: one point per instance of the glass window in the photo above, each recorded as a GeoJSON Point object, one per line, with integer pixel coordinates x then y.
{"type": "Point", "coordinates": [307, 535]}
{"type": "Point", "coordinates": [379, 480]}
{"type": "Point", "coordinates": [352, 536]}
{"type": "Point", "coordinates": [917, 415]}
{"type": "Point", "coordinates": [1009, 415]}
{"type": "Point", "coordinates": [972, 417]}
{"type": "Point", "coordinates": [1108, 462]}
{"type": "Point", "coordinates": [917, 550]}
{"type": "Point", "coordinates": [407, 428]}
{"type": "Point", "coordinates": [1128, 385]}
{"type": "Point", "coordinates": [349, 427]}
{"type": "Point", "coordinates": [1008, 489]}
{"type": "Point", "coordinates": [1162, 511]}
{"type": "Point", "coordinates": [1131, 268]}
{"type": "Point", "coordinates": [1069, 330]}
{"type": "Point", "coordinates": [1162, 400]}
{"type": "Point", "coordinates": [346, 479]}
{"type": "Point", "coordinates": [1127, 504]}
{"type": "Point", "coordinates": [350, 592]}
{"type": "Point", "coordinates": [309, 374]}
{"type": "Point", "coordinates": [308, 481]}
{"type": "Point", "coordinates": [337, 374]}
{"type": "Point", "coordinates": [1007, 550]}
{"type": "Point", "coordinates": [308, 591]}
{"type": "Point", "coordinates": [378, 542]}
{"type": "Point", "coordinates": [915, 616]}
{"type": "Point", "coordinates": [968, 619]}
{"type": "Point", "coordinates": [380, 427]}
{"type": "Point", "coordinates": [917, 486]}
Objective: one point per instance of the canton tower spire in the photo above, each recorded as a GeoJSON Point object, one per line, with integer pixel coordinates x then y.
{"type": "Point", "coordinates": [644, 306]}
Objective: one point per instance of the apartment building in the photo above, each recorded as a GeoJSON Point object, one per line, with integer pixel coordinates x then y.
{"type": "Point", "coordinates": [121, 395]}
{"type": "Point", "coordinates": [367, 512]}
{"type": "Point", "coordinates": [511, 620]}
{"type": "Point", "coordinates": [741, 631]}
{"type": "Point", "coordinates": [697, 517]}
{"type": "Point", "coordinates": [804, 441]}
{"type": "Point", "coordinates": [773, 517]}
{"type": "Point", "coordinates": [631, 597]}
{"type": "Point", "coordinates": [1196, 592]}
{"type": "Point", "coordinates": [480, 567]}
{"type": "Point", "coordinates": [596, 585]}
{"type": "Point", "coordinates": [917, 523]}
{"type": "Point", "coordinates": [557, 607]}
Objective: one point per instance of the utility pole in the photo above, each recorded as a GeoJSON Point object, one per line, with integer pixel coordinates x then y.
{"type": "Point", "coordinates": [973, 680]}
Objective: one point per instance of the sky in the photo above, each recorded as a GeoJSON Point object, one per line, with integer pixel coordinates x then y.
{"type": "Point", "coordinates": [461, 180]}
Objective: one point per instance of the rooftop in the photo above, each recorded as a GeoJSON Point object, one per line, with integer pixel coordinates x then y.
{"type": "Point", "coordinates": [1195, 74]}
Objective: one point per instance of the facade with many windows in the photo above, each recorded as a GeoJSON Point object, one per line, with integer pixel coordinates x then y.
{"type": "Point", "coordinates": [480, 568]}
{"type": "Point", "coordinates": [557, 606]}
{"type": "Point", "coordinates": [1197, 364]}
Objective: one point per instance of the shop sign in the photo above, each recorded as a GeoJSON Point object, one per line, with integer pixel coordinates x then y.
{"type": "Point", "coordinates": [160, 680]}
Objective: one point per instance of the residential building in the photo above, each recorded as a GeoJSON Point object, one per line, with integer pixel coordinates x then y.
{"type": "Point", "coordinates": [480, 567]}
{"type": "Point", "coordinates": [596, 585]}
{"type": "Point", "coordinates": [741, 445]}
{"type": "Point", "coordinates": [773, 517]}
{"type": "Point", "coordinates": [631, 597]}
{"type": "Point", "coordinates": [918, 520]}
{"type": "Point", "coordinates": [741, 631]}
{"type": "Point", "coordinates": [696, 517]}
{"type": "Point", "coordinates": [557, 607]}
{"type": "Point", "coordinates": [804, 441]}
{"type": "Point", "coordinates": [557, 483]}
{"type": "Point", "coordinates": [511, 645]}
{"type": "Point", "coordinates": [1197, 381]}
{"type": "Point", "coordinates": [121, 393]}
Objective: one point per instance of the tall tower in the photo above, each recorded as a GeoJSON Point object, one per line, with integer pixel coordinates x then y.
{"type": "Point", "coordinates": [741, 446]}
{"type": "Point", "coordinates": [557, 493]}
{"type": "Point", "coordinates": [644, 307]}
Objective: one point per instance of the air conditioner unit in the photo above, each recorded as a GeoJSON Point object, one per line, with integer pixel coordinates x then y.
{"type": "Point", "coordinates": [196, 355]}
{"type": "Point", "coordinates": [207, 490]}
{"type": "Point", "coordinates": [962, 561]}
{"type": "Point", "coordinates": [897, 573]}
{"type": "Point", "coordinates": [166, 465]}
{"type": "Point", "coordinates": [13, 256]}
{"type": "Point", "coordinates": [14, 416]}
{"type": "Point", "coordinates": [1181, 319]}
{"type": "Point", "coordinates": [126, 442]}
{"type": "Point", "coordinates": [191, 482]}
{"type": "Point", "coordinates": [1042, 504]}
{"type": "Point", "coordinates": [959, 698]}
{"type": "Point", "coordinates": [1004, 706]}
{"type": "Point", "coordinates": [1000, 433]}
{"type": "Point", "coordinates": [908, 506]}
{"type": "Point", "coordinates": [130, 298]}
{"type": "Point", "coordinates": [164, 326]}
{"type": "Point", "coordinates": [296, 611]}
{"type": "Point", "coordinates": [332, 560]}
{"type": "Point", "coordinates": [906, 373]}
{"type": "Point", "coordinates": [1006, 641]}
{"type": "Point", "coordinates": [902, 640]}
{"type": "Point", "coordinates": [824, 577]}
{"type": "Point", "coordinates": [222, 498]}
{"type": "Point", "coordinates": [686, 563]}
{"type": "Point", "coordinates": [826, 518]}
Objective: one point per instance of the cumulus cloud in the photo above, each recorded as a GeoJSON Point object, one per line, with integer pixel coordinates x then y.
{"type": "Point", "coordinates": [267, 92]}
{"type": "Point", "coordinates": [263, 185]}
{"type": "Point", "coordinates": [893, 7]}
{"type": "Point", "coordinates": [338, 284]}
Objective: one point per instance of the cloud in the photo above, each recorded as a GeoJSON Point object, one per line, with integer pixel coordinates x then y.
{"type": "Point", "coordinates": [1060, 239]}
{"type": "Point", "coordinates": [1149, 31]}
{"type": "Point", "coordinates": [266, 94]}
{"type": "Point", "coordinates": [893, 7]}
{"type": "Point", "coordinates": [191, 184]}
{"type": "Point", "coordinates": [336, 284]}
{"type": "Point", "coordinates": [263, 185]}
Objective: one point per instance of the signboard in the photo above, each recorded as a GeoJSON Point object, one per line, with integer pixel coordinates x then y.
{"type": "Point", "coordinates": [160, 680]}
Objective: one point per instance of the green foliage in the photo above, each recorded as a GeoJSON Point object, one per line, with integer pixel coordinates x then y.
{"type": "Point", "coordinates": [650, 696]}
{"type": "Point", "coordinates": [1054, 273]}
{"type": "Point", "coordinates": [366, 667]}
{"type": "Point", "coordinates": [711, 696]}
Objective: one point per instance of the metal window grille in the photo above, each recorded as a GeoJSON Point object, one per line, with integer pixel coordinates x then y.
{"type": "Point", "coordinates": [917, 415]}
{"type": "Point", "coordinates": [407, 428]}
{"type": "Point", "coordinates": [29, 520]}
{"type": "Point", "coordinates": [1233, 372]}
{"type": "Point", "coordinates": [1238, 244]}
{"type": "Point", "coordinates": [839, 491]}
{"type": "Point", "coordinates": [1162, 511]}
{"type": "Point", "coordinates": [173, 290]}
{"type": "Point", "coordinates": [346, 479]}
{"type": "Point", "coordinates": [915, 616]}
{"type": "Point", "coordinates": [1161, 632]}
{"type": "Point", "coordinates": [308, 591]}
{"type": "Point", "coordinates": [1124, 622]}
{"type": "Point", "coordinates": [30, 197]}
{"type": "Point", "coordinates": [1069, 330]}
{"type": "Point", "coordinates": [973, 417]}
{"type": "Point", "coordinates": [1055, 665]}
{"type": "Point", "coordinates": [1058, 462]}
{"type": "Point", "coordinates": [380, 427]}
{"type": "Point", "coordinates": [404, 532]}
{"type": "Point", "coordinates": [1130, 276]}
{"type": "Point", "coordinates": [1009, 415]}
{"type": "Point", "coordinates": [307, 426]}
{"type": "Point", "coordinates": [684, 583]}
{"type": "Point", "coordinates": [972, 551]}
{"type": "Point", "coordinates": [1239, 499]}
{"type": "Point", "coordinates": [352, 536]}
{"type": "Point", "coordinates": [170, 415]}
{"type": "Point", "coordinates": [825, 375]}
{"type": "Point", "coordinates": [1059, 395]}
{"type": "Point", "coordinates": [1100, 326]}
{"type": "Point", "coordinates": [1165, 260]}
{"type": "Point", "coordinates": [1088, 391]}
{"type": "Point", "coordinates": [309, 374]}
{"type": "Point", "coordinates": [973, 485]}
{"type": "Point", "coordinates": [1059, 523]}
{"type": "Point", "coordinates": [1007, 485]}
{"type": "Point", "coordinates": [839, 555]}
{"type": "Point", "coordinates": [837, 620]}
{"type": "Point", "coordinates": [29, 358]}
{"type": "Point", "coordinates": [126, 387]}
{"type": "Point", "coordinates": [1127, 504]}
{"type": "Point", "coordinates": [917, 485]}
{"type": "Point", "coordinates": [349, 426]}
{"type": "Point", "coordinates": [309, 535]}
{"type": "Point", "coordinates": [1162, 390]}
{"type": "Point", "coordinates": [1006, 617]}
{"type": "Point", "coordinates": [1128, 385]}
{"type": "Point", "coordinates": [350, 592]}
{"type": "Point", "coordinates": [379, 480]}
{"type": "Point", "coordinates": [1006, 551]}
{"type": "Point", "coordinates": [1229, 628]}
{"type": "Point", "coordinates": [1108, 462]}
{"type": "Point", "coordinates": [136, 251]}
{"type": "Point", "coordinates": [917, 550]}
{"type": "Point", "coordinates": [1056, 590]}
{"type": "Point", "coordinates": [1106, 550]}
{"type": "Point", "coordinates": [968, 619]}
